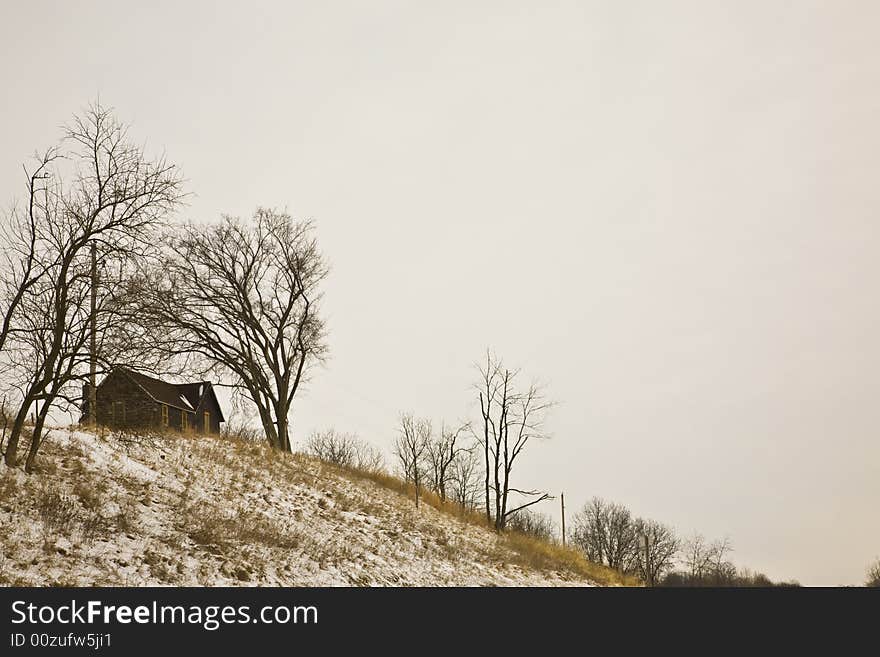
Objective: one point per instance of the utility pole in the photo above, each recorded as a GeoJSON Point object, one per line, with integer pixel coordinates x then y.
{"type": "Point", "coordinates": [649, 578]}
{"type": "Point", "coordinates": [562, 502]}
{"type": "Point", "coordinates": [93, 348]}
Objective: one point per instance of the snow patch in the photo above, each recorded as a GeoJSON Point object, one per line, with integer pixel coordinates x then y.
{"type": "Point", "coordinates": [199, 511]}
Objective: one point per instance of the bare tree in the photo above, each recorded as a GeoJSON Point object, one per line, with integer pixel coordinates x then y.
{"type": "Point", "coordinates": [697, 557]}
{"type": "Point", "coordinates": [115, 201]}
{"type": "Point", "coordinates": [607, 533]}
{"type": "Point", "coordinates": [441, 454]}
{"type": "Point", "coordinates": [25, 256]}
{"type": "Point", "coordinates": [510, 418]}
{"type": "Point", "coordinates": [588, 530]}
{"type": "Point", "coordinates": [706, 564]}
{"type": "Point", "coordinates": [243, 299]}
{"type": "Point", "coordinates": [622, 538]}
{"type": "Point", "coordinates": [37, 332]}
{"type": "Point", "coordinates": [663, 546]}
{"type": "Point", "coordinates": [411, 449]}
{"type": "Point", "coordinates": [464, 478]}
{"type": "Point", "coordinates": [723, 572]}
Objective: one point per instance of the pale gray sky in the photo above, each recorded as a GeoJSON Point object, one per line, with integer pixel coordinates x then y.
{"type": "Point", "coordinates": [682, 198]}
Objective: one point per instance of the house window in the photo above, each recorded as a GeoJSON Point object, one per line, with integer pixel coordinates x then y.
{"type": "Point", "coordinates": [207, 427]}
{"type": "Point", "coordinates": [164, 415]}
{"type": "Point", "coordinates": [183, 421]}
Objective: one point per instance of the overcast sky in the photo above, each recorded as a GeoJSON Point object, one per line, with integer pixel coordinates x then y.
{"type": "Point", "coordinates": [667, 211]}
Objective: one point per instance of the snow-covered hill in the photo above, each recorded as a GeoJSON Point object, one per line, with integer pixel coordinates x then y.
{"type": "Point", "coordinates": [193, 511]}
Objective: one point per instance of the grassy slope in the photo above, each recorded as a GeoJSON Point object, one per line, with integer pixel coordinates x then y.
{"type": "Point", "coordinates": [207, 511]}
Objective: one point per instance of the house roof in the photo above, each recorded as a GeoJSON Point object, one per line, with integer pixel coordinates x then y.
{"type": "Point", "coordinates": [184, 396]}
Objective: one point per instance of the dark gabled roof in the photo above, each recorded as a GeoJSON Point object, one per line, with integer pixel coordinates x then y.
{"type": "Point", "coordinates": [192, 392]}
{"type": "Point", "coordinates": [184, 396]}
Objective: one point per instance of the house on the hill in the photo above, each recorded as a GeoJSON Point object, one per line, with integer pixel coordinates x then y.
{"type": "Point", "coordinates": [129, 399]}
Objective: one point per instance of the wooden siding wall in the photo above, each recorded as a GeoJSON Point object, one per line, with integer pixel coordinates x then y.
{"type": "Point", "coordinates": [140, 409]}
{"type": "Point", "coordinates": [208, 404]}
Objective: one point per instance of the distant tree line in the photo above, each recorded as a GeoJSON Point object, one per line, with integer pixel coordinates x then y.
{"type": "Point", "coordinates": [873, 576]}
{"type": "Point", "coordinates": [609, 534]}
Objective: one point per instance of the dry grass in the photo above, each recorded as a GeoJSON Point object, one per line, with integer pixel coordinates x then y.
{"type": "Point", "coordinates": [7, 484]}
{"type": "Point", "coordinates": [58, 512]}
{"type": "Point", "coordinates": [162, 567]}
{"type": "Point", "coordinates": [212, 527]}
{"type": "Point", "coordinates": [528, 551]}
{"type": "Point", "coordinates": [545, 555]}
{"type": "Point", "coordinates": [90, 493]}
{"type": "Point", "coordinates": [217, 513]}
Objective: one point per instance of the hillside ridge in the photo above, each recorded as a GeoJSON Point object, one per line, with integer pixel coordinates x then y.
{"type": "Point", "coordinates": [176, 510]}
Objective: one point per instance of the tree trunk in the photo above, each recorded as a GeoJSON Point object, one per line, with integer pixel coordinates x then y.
{"type": "Point", "coordinates": [505, 494]}
{"type": "Point", "coordinates": [498, 516]}
{"type": "Point", "coordinates": [36, 437]}
{"type": "Point", "coordinates": [269, 427]}
{"type": "Point", "coordinates": [488, 509]}
{"type": "Point", "coordinates": [17, 426]}
{"type": "Point", "coordinates": [485, 414]}
{"type": "Point", "coordinates": [283, 439]}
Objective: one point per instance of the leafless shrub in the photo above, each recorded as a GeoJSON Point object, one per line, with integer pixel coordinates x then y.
{"type": "Point", "coordinates": [125, 518]}
{"type": "Point", "coordinates": [7, 485]}
{"type": "Point", "coordinates": [211, 527]}
{"type": "Point", "coordinates": [333, 447]}
{"type": "Point", "coordinates": [89, 494]}
{"type": "Point", "coordinates": [58, 512]}
{"type": "Point", "coordinates": [346, 450]}
{"type": "Point", "coordinates": [252, 527]}
{"type": "Point", "coordinates": [244, 432]}
{"type": "Point", "coordinates": [91, 525]}
{"type": "Point", "coordinates": [534, 524]}
{"type": "Point", "coordinates": [367, 458]}
{"type": "Point", "coordinates": [131, 437]}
